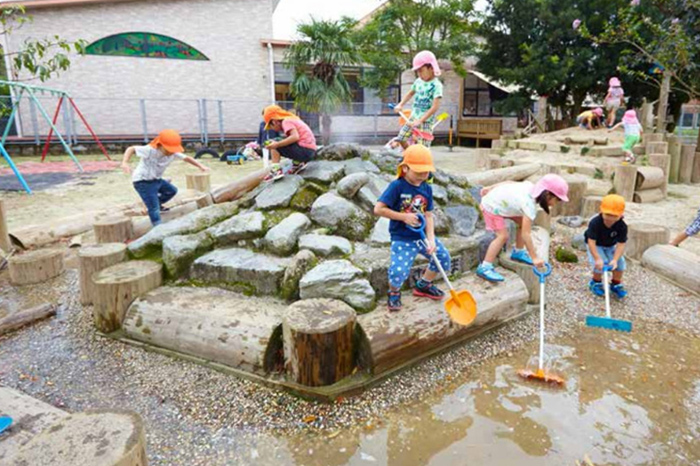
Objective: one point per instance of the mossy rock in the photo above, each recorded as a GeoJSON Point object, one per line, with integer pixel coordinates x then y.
{"type": "Point", "coordinates": [566, 149]}
{"type": "Point", "coordinates": [585, 150]}
{"type": "Point", "coordinates": [566, 255]}
{"type": "Point", "coordinates": [306, 196]}
{"type": "Point", "coordinates": [274, 217]}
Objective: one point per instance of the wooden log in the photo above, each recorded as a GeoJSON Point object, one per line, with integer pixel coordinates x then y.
{"type": "Point", "coordinates": [649, 196]}
{"type": "Point", "coordinates": [695, 176]}
{"type": "Point", "coordinates": [541, 240]}
{"type": "Point", "coordinates": [318, 341]}
{"type": "Point", "coordinates": [625, 180]}
{"type": "Point", "coordinates": [238, 188]}
{"type": "Point", "coordinates": [657, 147]}
{"type": "Point", "coordinates": [591, 206]}
{"type": "Point", "coordinates": [204, 201]}
{"type": "Point", "coordinates": [654, 137]}
{"type": "Point", "coordinates": [647, 118]}
{"type": "Point", "coordinates": [116, 287]}
{"type": "Point", "coordinates": [113, 230]}
{"type": "Point", "coordinates": [142, 225]}
{"type": "Point", "coordinates": [200, 181]}
{"type": "Point", "coordinates": [93, 259]}
{"type": "Point", "coordinates": [662, 161]}
{"type": "Point", "coordinates": [496, 161]}
{"type": "Point", "coordinates": [649, 177]}
{"type": "Point", "coordinates": [514, 173]}
{"type": "Point", "coordinates": [642, 236]}
{"type": "Point", "coordinates": [5, 243]}
{"type": "Point", "coordinates": [685, 172]}
{"type": "Point", "coordinates": [677, 265]}
{"type": "Point", "coordinates": [35, 266]}
{"type": "Point", "coordinates": [674, 150]}
{"type": "Point", "coordinates": [577, 191]}
{"type": "Point", "coordinates": [25, 317]}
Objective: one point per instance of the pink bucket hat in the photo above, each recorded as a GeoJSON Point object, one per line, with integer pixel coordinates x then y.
{"type": "Point", "coordinates": [630, 117]}
{"type": "Point", "coordinates": [614, 82]}
{"type": "Point", "coordinates": [555, 184]}
{"type": "Point", "coordinates": [426, 57]}
{"type": "Point", "coordinates": [598, 111]}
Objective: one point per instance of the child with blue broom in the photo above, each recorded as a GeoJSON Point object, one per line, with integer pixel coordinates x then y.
{"type": "Point", "coordinates": [606, 237]}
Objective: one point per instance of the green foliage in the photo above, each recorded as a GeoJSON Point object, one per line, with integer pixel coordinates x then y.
{"type": "Point", "coordinates": [402, 28]}
{"type": "Point", "coordinates": [40, 58]}
{"type": "Point", "coordinates": [563, 254]}
{"type": "Point", "coordinates": [598, 175]}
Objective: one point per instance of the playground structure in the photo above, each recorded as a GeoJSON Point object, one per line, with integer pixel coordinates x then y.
{"type": "Point", "coordinates": [19, 90]}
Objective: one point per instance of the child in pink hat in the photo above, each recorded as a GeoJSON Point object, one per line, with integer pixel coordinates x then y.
{"type": "Point", "coordinates": [427, 90]}
{"type": "Point", "coordinates": [614, 99]}
{"type": "Point", "coordinates": [633, 134]}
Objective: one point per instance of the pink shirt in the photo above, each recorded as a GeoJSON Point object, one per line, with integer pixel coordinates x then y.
{"type": "Point", "coordinates": [306, 136]}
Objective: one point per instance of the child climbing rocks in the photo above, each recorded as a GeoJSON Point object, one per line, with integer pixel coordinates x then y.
{"type": "Point", "coordinates": [299, 143]}
{"type": "Point", "coordinates": [693, 229]}
{"type": "Point", "coordinates": [404, 200]}
{"type": "Point", "coordinates": [633, 134]}
{"type": "Point", "coordinates": [148, 176]}
{"type": "Point", "coordinates": [427, 89]}
{"type": "Point", "coordinates": [605, 240]}
{"type": "Point", "coordinates": [517, 201]}
{"type": "Point", "coordinates": [590, 119]}
{"type": "Point", "coordinates": [614, 99]}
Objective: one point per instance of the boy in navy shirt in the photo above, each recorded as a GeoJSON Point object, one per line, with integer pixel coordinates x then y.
{"type": "Point", "coordinates": [402, 201]}
{"type": "Point", "coordinates": [605, 239]}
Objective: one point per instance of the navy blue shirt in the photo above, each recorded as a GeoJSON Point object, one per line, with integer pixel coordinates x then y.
{"type": "Point", "coordinates": [604, 236]}
{"type": "Point", "coordinates": [402, 196]}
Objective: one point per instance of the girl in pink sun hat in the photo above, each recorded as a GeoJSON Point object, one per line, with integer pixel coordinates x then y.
{"type": "Point", "coordinates": [633, 134]}
{"type": "Point", "coordinates": [614, 99]}
{"type": "Point", "coordinates": [427, 90]}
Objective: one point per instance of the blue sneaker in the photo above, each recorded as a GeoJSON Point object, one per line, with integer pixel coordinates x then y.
{"type": "Point", "coordinates": [394, 302]}
{"type": "Point", "coordinates": [488, 272]}
{"type": "Point", "coordinates": [596, 288]}
{"type": "Point", "coordinates": [521, 256]}
{"type": "Point", "coordinates": [619, 290]}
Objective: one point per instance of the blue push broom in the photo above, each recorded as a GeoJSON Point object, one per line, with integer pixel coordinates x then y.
{"type": "Point", "coordinates": [608, 321]}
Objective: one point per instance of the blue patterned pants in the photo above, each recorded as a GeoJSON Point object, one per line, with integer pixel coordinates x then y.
{"type": "Point", "coordinates": [694, 228]}
{"type": "Point", "coordinates": [403, 253]}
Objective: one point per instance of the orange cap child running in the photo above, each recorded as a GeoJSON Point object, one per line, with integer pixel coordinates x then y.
{"type": "Point", "coordinates": [418, 158]}
{"type": "Point", "coordinates": [613, 204]}
{"type": "Point", "coordinates": [170, 140]}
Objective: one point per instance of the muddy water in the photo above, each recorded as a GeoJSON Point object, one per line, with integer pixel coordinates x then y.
{"type": "Point", "coordinates": [628, 399]}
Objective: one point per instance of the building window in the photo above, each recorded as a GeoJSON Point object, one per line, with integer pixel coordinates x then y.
{"type": "Point", "coordinates": [144, 45]}
{"type": "Point", "coordinates": [479, 97]}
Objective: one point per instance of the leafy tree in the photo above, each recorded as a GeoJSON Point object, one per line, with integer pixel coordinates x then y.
{"type": "Point", "coordinates": [316, 59]}
{"type": "Point", "coordinates": [402, 28]}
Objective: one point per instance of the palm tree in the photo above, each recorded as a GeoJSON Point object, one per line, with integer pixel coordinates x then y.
{"type": "Point", "coordinates": [317, 60]}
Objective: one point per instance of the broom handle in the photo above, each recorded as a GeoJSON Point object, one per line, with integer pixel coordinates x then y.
{"type": "Point", "coordinates": [606, 285]}
{"type": "Point", "coordinates": [541, 324]}
{"type": "Point", "coordinates": [420, 229]}
{"type": "Point", "coordinates": [439, 266]}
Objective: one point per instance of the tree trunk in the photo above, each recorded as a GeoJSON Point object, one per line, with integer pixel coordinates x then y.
{"type": "Point", "coordinates": [326, 122]}
{"type": "Point", "coordinates": [591, 206]}
{"type": "Point", "coordinates": [113, 230]}
{"type": "Point", "coordinates": [663, 103]}
{"type": "Point", "coordinates": [685, 172]}
{"type": "Point", "coordinates": [542, 114]}
{"type": "Point", "coordinates": [318, 341]}
{"type": "Point", "coordinates": [649, 196]}
{"type": "Point", "coordinates": [677, 265]}
{"type": "Point", "coordinates": [200, 181]}
{"type": "Point", "coordinates": [514, 173]}
{"type": "Point", "coordinates": [695, 176]}
{"type": "Point", "coordinates": [625, 180]}
{"type": "Point", "coordinates": [649, 177]}
{"type": "Point", "coordinates": [577, 191]}
{"type": "Point", "coordinates": [116, 287]}
{"type": "Point", "coordinates": [647, 118]}
{"type": "Point", "coordinates": [642, 236]}
{"type": "Point", "coordinates": [93, 259]}
{"type": "Point", "coordinates": [657, 147]}
{"type": "Point", "coordinates": [238, 188]}
{"type": "Point", "coordinates": [35, 266]}
{"type": "Point", "coordinates": [5, 243]}
{"type": "Point", "coordinates": [27, 316]}
{"type": "Point", "coordinates": [662, 161]}
{"type": "Point", "coordinates": [674, 150]}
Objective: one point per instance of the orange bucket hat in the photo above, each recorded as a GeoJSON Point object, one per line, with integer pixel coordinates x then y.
{"type": "Point", "coordinates": [613, 204]}
{"type": "Point", "coordinates": [275, 112]}
{"type": "Point", "coordinates": [169, 139]}
{"type": "Point", "coordinates": [418, 158]}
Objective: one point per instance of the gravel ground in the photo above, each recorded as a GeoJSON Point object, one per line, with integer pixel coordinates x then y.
{"type": "Point", "coordinates": [195, 415]}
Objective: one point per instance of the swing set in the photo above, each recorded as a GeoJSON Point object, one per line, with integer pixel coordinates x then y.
{"type": "Point", "coordinates": [20, 90]}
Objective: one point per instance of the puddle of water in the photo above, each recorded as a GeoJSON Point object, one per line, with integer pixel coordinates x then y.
{"type": "Point", "coordinates": [629, 399]}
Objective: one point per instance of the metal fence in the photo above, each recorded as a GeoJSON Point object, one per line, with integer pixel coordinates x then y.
{"type": "Point", "coordinates": [205, 120]}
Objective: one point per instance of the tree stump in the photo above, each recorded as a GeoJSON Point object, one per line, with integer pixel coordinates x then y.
{"type": "Point", "coordinates": [205, 200]}
{"type": "Point", "coordinates": [625, 180]}
{"type": "Point", "coordinates": [657, 147]}
{"type": "Point", "coordinates": [648, 196]}
{"type": "Point", "coordinates": [318, 341]}
{"type": "Point", "coordinates": [653, 137]}
{"type": "Point", "coordinates": [116, 287]}
{"type": "Point", "coordinates": [591, 206]}
{"type": "Point", "coordinates": [543, 219]}
{"type": "Point", "coordinates": [695, 175]}
{"type": "Point", "coordinates": [577, 191]}
{"type": "Point", "coordinates": [199, 181]}
{"type": "Point", "coordinates": [35, 266]}
{"type": "Point", "coordinates": [93, 259]}
{"type": "Point", "coordinates": [5, 243]}
{"type": "Point", "coordinates": [685, 172]}
{"type": "Point", "coordinates": [662, 161]}
{"type": "Point", "coordinates": [674, 150]}
{"type": "Point", "coordinates": [642, 236]}
{"type": "Point", "coordinates": [113, 230]}
{"type": "Point", "coordinates": [649, 177]}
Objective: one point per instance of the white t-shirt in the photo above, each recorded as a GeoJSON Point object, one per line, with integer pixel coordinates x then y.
{"type": "Point", "coordinates": [632, 129]}
{"type": "Point", "coordinates": [152, 164]}
{"type": "Point", "coordinates": [511, 200]}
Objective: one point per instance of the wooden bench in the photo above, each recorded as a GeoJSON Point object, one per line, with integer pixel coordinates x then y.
{"type": "Point", "coordinates": [479, 128]}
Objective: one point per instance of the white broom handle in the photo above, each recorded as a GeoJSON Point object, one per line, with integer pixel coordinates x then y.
{"type": "Point", "coordinates": [442, 271]}
{"type": "Point", "coordinates": [541, 325]}
{"type": "Point", "coordinates": [606, 285]}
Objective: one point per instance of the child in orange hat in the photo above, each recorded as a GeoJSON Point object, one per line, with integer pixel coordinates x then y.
{"type": "Point", "coordinates": [148, 176]}
{"type": "Point", "coordinates": [605, 240]}
{"type": "Point", "coordinates": [299, 143]}
{"type": "Point", "coordinates": [402, 202]}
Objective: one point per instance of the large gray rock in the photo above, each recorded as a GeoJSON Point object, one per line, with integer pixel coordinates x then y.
{"type": "Point", "coordinates": [242, 226]}
{"type": "Point", "coordinates": [179, 251]}
{"type": "Point", "coordinates": [192, 223]}
{"type": "Point", "coordinates": [338, 279]}
{"type": "Point", "coordinates": [442, 177]}
{"type": "Point", "coordinates": [369, 194]}
{"type": "Point", "coordinates": [459, 195]}
{"type": "Point", "coordinates": [579, 242]}
{"type": "Point", "coordinates": [301, 263]}
{"type": "Point", "coordinates": [326, 245]}
{"type": "Point", "coordinates": [439, 194]}
{"type": "Point", "coordinates": [341, 151]}
{"type": "Point", "coordinates": [323, 171]}
{"type": "Point", "coordinates": [387, 162]}
{"type": "Point", "coordinates": [463, 219]}
{"type": "Point", "coordinates": [253, 272]}
{"type": "Point", "coordinates": [357, 165]}
{"type": "Point", "coordinates": [351, 184]}
{"type": "Point", "coordinates": [380, 233]}
{"type": "Point", "coordinates": [475, 192]}
{"type": "Point", "coordinates": [282, 239]}
{"type": "Point", "coordinates": [341, 216]}
{"type": "Point", "coordinates": [441, 221]}
{"type": "Point", "coordinates": [279, 193]}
